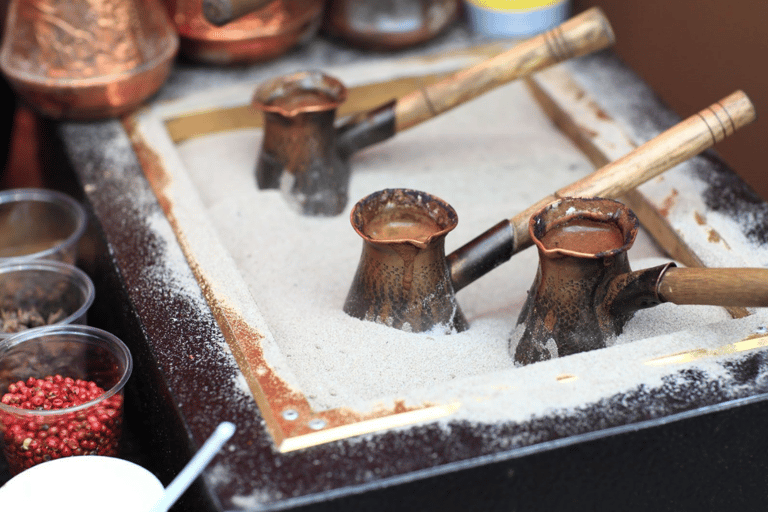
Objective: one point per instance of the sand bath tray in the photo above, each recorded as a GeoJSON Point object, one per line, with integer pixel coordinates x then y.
{"type": "Point", "coordinates": [276, 281]}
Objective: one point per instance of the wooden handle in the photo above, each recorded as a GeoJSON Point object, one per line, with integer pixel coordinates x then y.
{"type": "Point", "coordinates": [686, 139]}
{"type": "Point", "coordinates": [743, 287]}
{"type": "Point", "coordinates": [582, 34]}
{"type": "Point", "coordinates": [221, 12]}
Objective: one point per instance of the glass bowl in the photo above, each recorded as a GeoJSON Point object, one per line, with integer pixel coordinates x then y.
{"type": "Point", "coordinates": [82, 367]}
{"type": "Point", "coordinates": [36, 293]}
{"type": "Point", "coordinates": [40, 224]}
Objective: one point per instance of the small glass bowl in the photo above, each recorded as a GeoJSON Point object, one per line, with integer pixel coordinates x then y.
{"type": "Point", "coordinates": [40, 224]}
{"type": "Point", "coordinates": [71, 355]}
{"type": "Point", "coordinates": [36, 293]}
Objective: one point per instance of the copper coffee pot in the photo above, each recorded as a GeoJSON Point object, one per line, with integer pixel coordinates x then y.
{"type": "Point", "coordinates": [402, 279]}
{"type": "Point", "coordinates": [497, 245]}
{"type": "Point", "coordinates": [87, 59]}
{"type": "Point", "coordinates": [311, 164]}
{"type": "Point", "coordinates": [584, 291]}
{"type": "Point", "coordinates": [252, 31]}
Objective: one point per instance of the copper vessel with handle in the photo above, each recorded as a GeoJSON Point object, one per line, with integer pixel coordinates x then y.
{"type": "Point", "coordinates": [585, 292]}
{"type": "Point", "coordinates": [402, 279]}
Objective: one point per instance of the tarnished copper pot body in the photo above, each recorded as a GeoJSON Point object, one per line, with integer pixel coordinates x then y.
{"type": "Point", "coordinates": [304, 152]}
{"type": "Point", "coordinates": [584, 291]}
{"type": "Point", "coordinates": [87, 59]}
{"type": "Point", "coordinates": [402, 279]}
{"type": "Point", "coordinates": [582, 245]}
{"type": "Point", "coordinates": [258, 36]}
{"type": "Point", "coordinates": [388, 25]}
{"type": "Point", "coordinates": [298, 151]}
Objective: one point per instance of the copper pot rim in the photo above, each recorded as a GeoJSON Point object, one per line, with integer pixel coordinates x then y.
{"type": "Point", "coordinates": [387, 197]}
{"type": "Point", "coordinates": [308, 80]}
{"type": "Point", "coordinates": [145, 68]}
{"type": "Point", "coordinates": [537, 226]}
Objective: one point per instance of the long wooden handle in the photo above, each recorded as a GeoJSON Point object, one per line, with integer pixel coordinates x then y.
{"type": "Point", "coordinates": [679, 143]}
{"type": "Point", "coordinates": [221, 12]}
{"type": "Point", "coordinates": [685, 140]}
{"type": "Point", "coordinates": [743, 287]}
{"type": "Point", "coordinates": [588, 32]}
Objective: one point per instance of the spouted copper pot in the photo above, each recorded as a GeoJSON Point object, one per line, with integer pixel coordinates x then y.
{"type": "Point", "coordinates": [582, 245]}
{"type": "Point", "coordinates": [585, 292]}
{"type": "Point", "coordinates": [299, 151]}
{"type": "Point", "coordinates": [87, 59]}
{"type": "Point", "coordinates": [402, 279]}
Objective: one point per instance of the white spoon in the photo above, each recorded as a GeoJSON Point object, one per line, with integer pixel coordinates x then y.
{"type": "Point", "coordinates": [194, 467]}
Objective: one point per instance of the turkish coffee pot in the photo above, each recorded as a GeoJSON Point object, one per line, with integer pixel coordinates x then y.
{"type": "Point", "coordinates": [402, 279]}
{"type": "Point", "coordinates": [585, 292]}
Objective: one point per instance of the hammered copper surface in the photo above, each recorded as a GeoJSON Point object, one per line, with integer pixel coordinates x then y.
{"type": "Point", "coordinates": [258, 36]}
{"type": "Point", "coordinates": [402, 279]}
{"type": "Point", "coordinates": [221, 12]}
{"type": "Point", "coordinates": [83, 59]}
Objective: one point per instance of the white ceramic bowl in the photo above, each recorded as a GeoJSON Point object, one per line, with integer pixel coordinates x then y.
{"type": "Point", "coordinates": [89, 483]}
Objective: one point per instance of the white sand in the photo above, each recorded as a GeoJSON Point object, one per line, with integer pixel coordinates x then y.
{"type": "Point", "coordinates": [488, 161]}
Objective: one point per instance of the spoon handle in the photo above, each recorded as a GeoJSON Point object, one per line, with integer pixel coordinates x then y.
{"type": "Point", "coordinates": [195, 466]}
{"type": "Point", "coordinates": [742, 287]}
{"type": "Point", "coordinates": [588, 32]}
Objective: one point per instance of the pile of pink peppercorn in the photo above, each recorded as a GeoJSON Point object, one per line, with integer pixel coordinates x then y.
{"type": "Point", "coordinates": [30, 439]}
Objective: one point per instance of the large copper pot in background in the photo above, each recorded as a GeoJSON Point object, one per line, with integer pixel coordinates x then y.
{"type": "Point", "coordinates": [260, 35]}
{"type": "Point", "coordinates": [87, 59]}
{"type": "Point", "coordinates": [388, 24]}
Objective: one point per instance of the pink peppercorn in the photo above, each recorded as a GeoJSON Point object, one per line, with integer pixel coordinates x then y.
{"type": "Point", "coordinates": [28, 441]}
